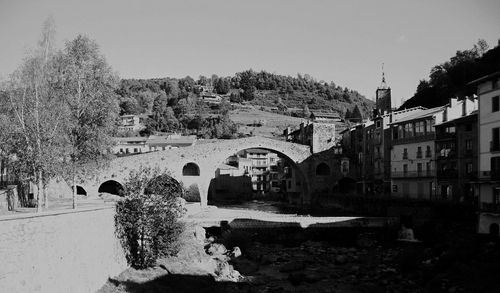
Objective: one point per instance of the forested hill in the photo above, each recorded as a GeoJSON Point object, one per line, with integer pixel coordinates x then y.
{"type": "Point", "coordinates": [450, 79]}
{"type": "Point", "coordinates": [258, 88]}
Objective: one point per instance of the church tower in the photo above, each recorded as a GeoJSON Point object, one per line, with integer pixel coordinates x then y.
{"type": "Point", "coordinates": [383, 96]}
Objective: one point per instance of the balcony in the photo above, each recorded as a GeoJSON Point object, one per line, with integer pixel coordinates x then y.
{"type": "Point", "coordinates": [413, 174]}
{"type": "Point", "coordinates": [490, 207]}
{"type": "Point", "coordinates": [419, 155]}
{"type": "Point", "coordinates": [428, 154]}
{"type": "Point", "coordinates": [405, 156]}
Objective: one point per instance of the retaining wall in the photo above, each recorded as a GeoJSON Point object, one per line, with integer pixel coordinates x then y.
{"type": "Point", "coordinates": [70, 251]}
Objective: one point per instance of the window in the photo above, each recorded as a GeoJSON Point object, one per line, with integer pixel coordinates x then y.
{"type": "Point", "coordinates": [464, 107]}
{"type": "Point", "coordinates": [419, 128]}
{"type": "Point", "coordinates": [450, 129]}
{"type": "Point", "coordinates": [135, 150]}
{"type": "Point", "coordinates": [495, 105]}
{"type": "Point", "coordinates": [378, 124]}
{"type": "Point", "coordinates": [395, 133]}
{"type": "Point", "coordinates": [409, 130]}
{"type": "Point", "coordinates": [495, 139]}
{"type": "Point", "coordinates": [468, 145]}
{"type": "Point", "coordinates": [405, 154]}
{"type": "Point", "coordinates": [468, 168]}
{"type": "Point", "coordinates": [428, 152]}
{"type": "Point", "coordinates": [445, 115]}
{"type": "Point", "coordinates": [405, 169]}
{"type": "Point", "coordinates": [419, 168]}
{"type": "Point", "coordinates": [419, 152]}
{"type": "Point", "coordinates": [401, 132]}
{"type": "Point", "coordinates": [428, 167]}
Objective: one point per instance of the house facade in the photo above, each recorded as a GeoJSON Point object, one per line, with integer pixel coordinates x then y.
{"type": "Point", "coordinates": [488, 91]}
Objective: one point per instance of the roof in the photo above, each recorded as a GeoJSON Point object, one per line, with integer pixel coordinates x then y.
{"type": "Point", "coordinates": [137, 139]}
{"type": "Point", "coordinates": [227, 167]}
{"type": "Point", "coordinates": [484, 78]}
{"type": "Point", "coordinates": [419, 114]}
{"type": "Point", "coordinates": [471, 115]}
{"type": "Point", "coordinates": [183, 140]}
{"type": "Point", "coordinates": [331, 115]}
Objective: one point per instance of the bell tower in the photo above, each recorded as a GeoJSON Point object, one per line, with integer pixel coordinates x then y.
{"type": "Point", "coordinates": [383, 96]}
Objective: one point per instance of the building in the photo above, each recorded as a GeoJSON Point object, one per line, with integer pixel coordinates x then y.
{"type": "Point", "coordinates": [488, 92]}
{"type": "Point", "coordinates": [412, 155]}
{"type": "Point", "coordinates": [138, 144]}
{"type": "Point", "coordinates": [319, 136]}
{"type": "Point", "coordinates": [132, 123]}
{"type": "Point", "coordinates": [325, 117]}
{"type": "Point", "coordinates": [130, 145]}
{"type": "Point", "coordinates": [367, 145]}
{"type": "Point", "coordinates": [172, 141]}
{"type": "Point", "coordinates": [456, 150]}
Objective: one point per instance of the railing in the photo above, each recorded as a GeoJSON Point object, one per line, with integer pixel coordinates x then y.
{"type": "Point", "coordinates": [419, 155]}
{"type": "Point", "coordinates": [428, 154]}
{"type": "Point", "coordinates": [413, 174]}
{"type": "Point", "coordinates": [405, 156]}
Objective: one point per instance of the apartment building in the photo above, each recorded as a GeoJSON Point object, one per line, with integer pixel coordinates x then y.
{"type": "Point", "coordinates": [456, 150]}
{"type": "Point", "coordinates": [488, 92]}
{"type": "Point", "coordinates": [412, 155]}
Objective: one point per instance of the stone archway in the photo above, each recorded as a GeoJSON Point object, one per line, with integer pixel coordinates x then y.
{"type": "Point", "coordinates": [80, 190]}
{"type": "Point", "coordinates": [302, 179]}
{"type": "Point", "coordinates": [112, 187]}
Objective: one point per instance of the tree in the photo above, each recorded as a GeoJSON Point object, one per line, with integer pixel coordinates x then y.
{"type": "Point", "coordinates": [147, 220]}
{"type": "Point", "coordinates": [305, 111]}
{"type": "Point", "coordinates": [35, 113]}
{"type": "Point", "coordinates": [88, 84]}
{"type": "Point", "coordinates": [356, 114]}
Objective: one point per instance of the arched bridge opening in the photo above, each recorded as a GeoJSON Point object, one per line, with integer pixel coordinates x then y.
{"type": "Point", "coordinates": [261, 174]}
{"type": "Point", "coordinates": [111, 187]}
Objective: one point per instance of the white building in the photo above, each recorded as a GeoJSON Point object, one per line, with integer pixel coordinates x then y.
{"type": "Point", "coordinates": [131, 123]}
{"type": "Point", "coordinates": [412, 155]}
{"type": "Point", "coordinates": [488, 91]}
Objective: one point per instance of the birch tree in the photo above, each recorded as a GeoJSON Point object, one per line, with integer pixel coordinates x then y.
{"type": "Point", "coordinates": [35, 113]}
{"type": "Point", "coordinates": [88, 89]}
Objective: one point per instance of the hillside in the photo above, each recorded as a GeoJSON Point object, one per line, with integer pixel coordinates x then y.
{"type": "Point", "coordinates": [450, 79]}
{"type": "Point", "coordinates": [257, 88]}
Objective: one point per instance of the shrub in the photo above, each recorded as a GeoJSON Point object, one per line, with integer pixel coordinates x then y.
{"type": "Point", "coordinates": [147, 219]}
{"type": "Point", "coordinates": [192, 193]}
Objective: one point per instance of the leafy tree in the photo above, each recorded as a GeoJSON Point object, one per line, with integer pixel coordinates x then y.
{"type": "Point", "coordinates": [147, 219]}
{"type": "Point", "coordinates": [33, 114]}
{"type": "Point", "coordinates": [88, 84]}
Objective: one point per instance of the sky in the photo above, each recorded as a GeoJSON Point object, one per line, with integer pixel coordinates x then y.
{"type": "Point", "coordinates": [341, 41]}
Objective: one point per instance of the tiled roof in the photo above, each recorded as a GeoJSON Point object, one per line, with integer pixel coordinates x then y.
{"type": "Point", "coordinates": [419, 114]}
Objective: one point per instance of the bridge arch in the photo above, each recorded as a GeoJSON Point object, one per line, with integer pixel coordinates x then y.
{"type": "Point", "coordinates": [191, 169]}
{"type": "Point", "coordinates": [323, 169]}
{"type": "Point", "coordinates": [111, 187]}
{"type": "Point", "coordinates": [222, 157]}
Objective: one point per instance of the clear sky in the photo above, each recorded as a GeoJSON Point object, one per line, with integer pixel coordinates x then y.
{"type": "Point", "coordinates": [341, 41]}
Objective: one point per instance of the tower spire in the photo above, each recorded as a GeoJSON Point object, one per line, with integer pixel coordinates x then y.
{"type": "Point", "coordinates": [383, 85]}
{"type": "Point", "coordinates": [383, 73]}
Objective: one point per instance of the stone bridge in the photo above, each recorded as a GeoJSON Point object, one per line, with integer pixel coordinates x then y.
{"type": "Point", "coordinates": [197, 164]}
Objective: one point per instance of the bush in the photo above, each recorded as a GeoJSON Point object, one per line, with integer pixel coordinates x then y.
{"type": "Point", "coordinates": [192, 194]}
{"type": "Point", "coordinates": [147, 219]}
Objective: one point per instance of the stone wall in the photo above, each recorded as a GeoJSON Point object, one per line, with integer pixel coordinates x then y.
{"type": "Point", "coordinates": [59, 251]}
